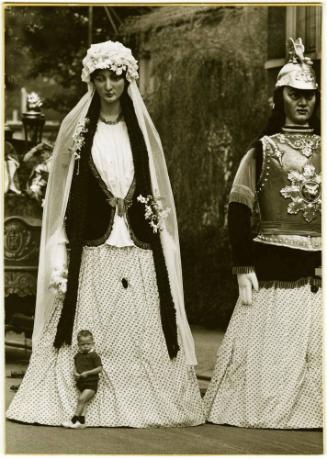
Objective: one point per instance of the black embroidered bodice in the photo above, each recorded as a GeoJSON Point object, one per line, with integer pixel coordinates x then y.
{"type": "Point", "coordinates": [101, 210]}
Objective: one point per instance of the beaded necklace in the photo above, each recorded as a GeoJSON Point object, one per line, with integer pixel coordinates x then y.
{"type": "Point", "coordinates": [116, 121]}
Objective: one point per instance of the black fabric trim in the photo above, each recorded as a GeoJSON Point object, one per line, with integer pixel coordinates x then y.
{"type": "Point", "coordinates": [77, 225]}
{"type": "Point", "coordinates": [109, 195]}
{"type": "Point", "coordinates": [277, 263]}
{"type": "Point", "coordinates": [314, 282]}
{"type": "Point", "coordinates": [258, 147]}
{"type": "Point", "coordinates": [137, 242]}
{"type": "Point", "coordinates": [271, 262]}
{"type": "Point", "coordinates": [140, 226]}
{"type": "Point", "coordinates": [243, 269]}
{"type": "Point", "coordinates": [102, 239]}
{"type": "Point", "coordinates": [167, 308]}
{"type": "Point", "coordinates": [239, 226]}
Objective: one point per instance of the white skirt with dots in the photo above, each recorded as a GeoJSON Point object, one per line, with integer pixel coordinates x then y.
{"type": "Point", "coordinates": [139, 386]}
{"type": "Point", "coordinates": [268, 372]}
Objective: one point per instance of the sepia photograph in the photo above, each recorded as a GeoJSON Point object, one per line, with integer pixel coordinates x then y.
{"type": "Point", "coordinates": [162, 191]}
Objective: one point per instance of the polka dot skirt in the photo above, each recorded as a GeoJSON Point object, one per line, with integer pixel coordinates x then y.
{"type": "Point", "coordinates": [269, 367]}
{"type": "Point", "coordinates": [139, 386]}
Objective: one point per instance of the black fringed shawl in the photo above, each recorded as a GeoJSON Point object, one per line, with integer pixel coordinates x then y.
{"type": "Point", "coordinates": [78, 218]}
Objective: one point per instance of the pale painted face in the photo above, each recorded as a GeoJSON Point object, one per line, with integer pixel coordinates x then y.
{"type": "Point", "coordinates": [108, 85]}
{"type": "Point", "coordinates": [85, 344]}
{"type": "Point", "coordinates": [298, 105]}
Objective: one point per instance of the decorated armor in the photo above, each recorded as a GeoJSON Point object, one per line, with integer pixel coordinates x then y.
{"type": "Point", "coordinates": [289, 189]}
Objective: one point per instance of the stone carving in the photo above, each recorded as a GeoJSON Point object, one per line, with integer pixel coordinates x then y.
{"type": "Point", "coordinates": [21, 283]}
{"type": "Point", "coordinates": [19, 244]}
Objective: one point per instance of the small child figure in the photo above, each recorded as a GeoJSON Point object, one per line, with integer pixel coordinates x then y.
{"type": "Point", "coordinates": [87, 368]}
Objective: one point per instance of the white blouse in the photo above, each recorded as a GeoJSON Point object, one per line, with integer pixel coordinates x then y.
{"type": "Point", "coordinates": [112, 156]}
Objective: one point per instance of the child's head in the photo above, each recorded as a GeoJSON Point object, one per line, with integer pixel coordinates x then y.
{"type": "Point", "coordinates": [85, 340]}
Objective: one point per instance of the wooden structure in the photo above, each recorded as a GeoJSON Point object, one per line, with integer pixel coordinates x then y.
{"type": "Point", "coordinates": [22, 230]}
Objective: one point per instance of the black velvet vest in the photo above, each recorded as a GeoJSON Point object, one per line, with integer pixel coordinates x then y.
{"type": "Point", "coordinates": [100, 213]}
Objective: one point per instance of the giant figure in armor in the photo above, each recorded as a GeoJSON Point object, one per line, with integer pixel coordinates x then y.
{"type": "Point", "coordinates": [269, 368]}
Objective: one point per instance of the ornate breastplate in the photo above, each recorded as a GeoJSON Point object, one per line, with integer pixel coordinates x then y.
{"type": "Point", "coordinates": [289, 190]}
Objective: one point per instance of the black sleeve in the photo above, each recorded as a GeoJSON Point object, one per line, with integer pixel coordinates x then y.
{"type": "Point", "coordinates": [96, 360]}
{"type": "Point", "coordinates": [239, 227]}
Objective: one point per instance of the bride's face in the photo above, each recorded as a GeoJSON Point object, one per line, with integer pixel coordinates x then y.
{"type": "Point", "coordinates": [108, 85]}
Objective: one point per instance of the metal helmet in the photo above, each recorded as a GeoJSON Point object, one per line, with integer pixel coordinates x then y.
{"type": "Point", "coordinates": [298, 72]}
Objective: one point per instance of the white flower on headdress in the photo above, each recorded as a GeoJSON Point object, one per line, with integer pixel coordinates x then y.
{"type": "Point", "coordinates": [111, 55]}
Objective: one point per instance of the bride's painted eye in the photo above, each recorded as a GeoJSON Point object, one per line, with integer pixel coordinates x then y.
{"type": "Point", "coordinates": [99, 79]}
{"type": "Point", "coordinates": [116, 77]}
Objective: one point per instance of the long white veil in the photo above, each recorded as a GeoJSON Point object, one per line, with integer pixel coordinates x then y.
{"type": "Point", "coordinates": [53, 254]}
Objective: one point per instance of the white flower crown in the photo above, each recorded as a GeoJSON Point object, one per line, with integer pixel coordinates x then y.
{"type": "Point", "coordinates": [111, 55]}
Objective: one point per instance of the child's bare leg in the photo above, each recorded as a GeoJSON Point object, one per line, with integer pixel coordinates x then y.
{"type": "Point", "coordinates": [84, 397]}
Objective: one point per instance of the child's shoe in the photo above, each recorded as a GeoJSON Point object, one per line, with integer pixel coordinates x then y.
{"type": "Point", "coordinates": [81, 420]}
{"type": "Point", "coordinates": [73, 423]}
